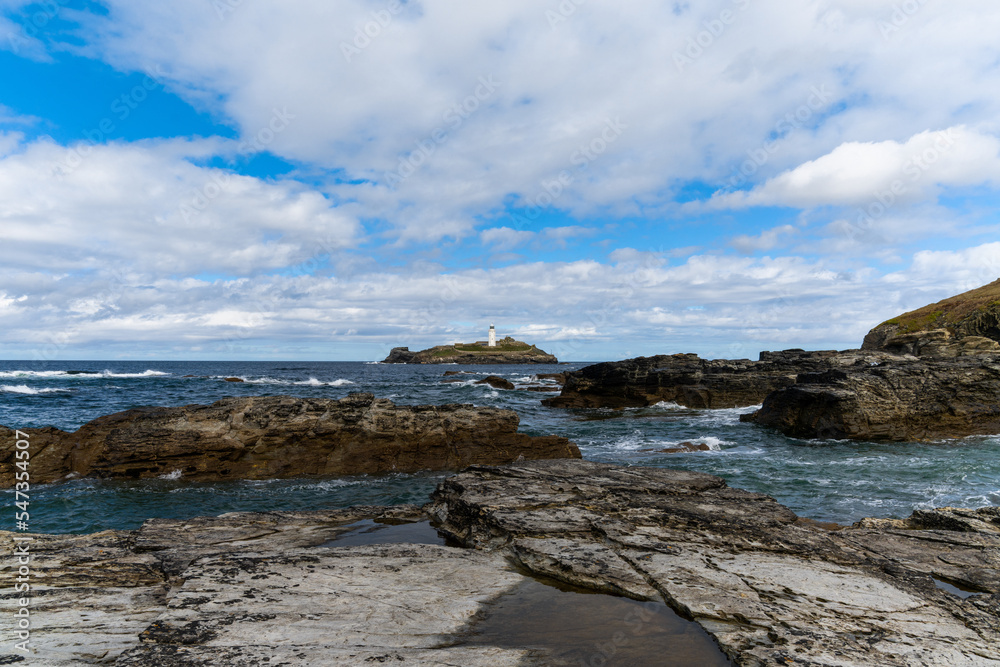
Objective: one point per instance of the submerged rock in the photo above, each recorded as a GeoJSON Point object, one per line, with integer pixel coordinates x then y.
{"type": "Point", "coordinates": [266, 437]}
{"type": "Point", "coordinates": [496, 382]}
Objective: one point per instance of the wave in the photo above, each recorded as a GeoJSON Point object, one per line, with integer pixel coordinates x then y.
{"type": "Point", "coordinates": [79, 374]}
{"type": "Point", "coordinates": [311, 382]}
{"type": "Point", "coordinates": [144, 374]}
{"type": "Point", "coordinates": [28, 391]}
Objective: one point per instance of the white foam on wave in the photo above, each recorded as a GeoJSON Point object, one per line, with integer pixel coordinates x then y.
{"type": "Point", "coordinates": [669, 405]}
{"type": "Point", "coordinates": [175, 475]}
{"type": "Point", "coordinates": [28, 391]}
{"type": "Point", "coordinates": [34, 374]}
{"type": "Point", "coordinates": [313, 382]}
{"type": "Point", "coordinates": [144, 374]}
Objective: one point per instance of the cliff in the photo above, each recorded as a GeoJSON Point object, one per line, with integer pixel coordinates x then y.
{"type": "Point", "coordinates": [961, 325]}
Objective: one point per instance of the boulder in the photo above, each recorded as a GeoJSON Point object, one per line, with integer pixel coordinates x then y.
{"type": "Point", "coordinates": [265, 437]}
{"type": "Point", "coordinates": [497, 382]}
{"type": "Point", "coordinates": [905, 399]}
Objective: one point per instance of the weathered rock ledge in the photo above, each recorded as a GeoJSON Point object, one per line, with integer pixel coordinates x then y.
{"type": "Point", "coordinates": [903, 399]}
{"type": "Point", "coordinates": [688, 380]}
{"type": "Point", "coordinates": [269, 437]}
{"type": "Point", "coordinates": [270, 588]}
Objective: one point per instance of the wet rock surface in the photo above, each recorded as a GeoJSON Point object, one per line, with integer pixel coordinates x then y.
{"type": "Point", "coordinates": [273, 588]}
{"type": "Point", "coordinates": [771, 588]}
{"type": "Point", "coordinates": [278, 437]}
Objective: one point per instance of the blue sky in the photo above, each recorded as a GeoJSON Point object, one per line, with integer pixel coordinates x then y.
{"type": "Point", "coordinates": [223, 179]}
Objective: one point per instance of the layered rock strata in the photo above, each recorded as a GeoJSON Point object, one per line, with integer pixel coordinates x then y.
{"type": "Point", "coordinates": [266, 437]}
{"type": "Point", "coordinates": [905, 399]}
{"type": "Point", "coordinates": [275, 587]}
{"type": "Point", "coordinates": [771, 588]}
{"type": "Point", "coordinates": [690, 381]}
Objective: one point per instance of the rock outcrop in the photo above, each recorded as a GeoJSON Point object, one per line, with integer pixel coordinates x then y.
{"type": "Point", "coordinates": [507, 351]}
{"type": "Point", "coordinates": [904, 399]}
{"type": "Point", "coordinates": [285, 587]}
{"type": "Point", "coordinates": [772, 589]}
{"type": "Point", "coordinates": [267, 437]}
{"type": "Point", "coordinates": [688, 380]}
{"type": "Point", "coordinates": [966, 324]}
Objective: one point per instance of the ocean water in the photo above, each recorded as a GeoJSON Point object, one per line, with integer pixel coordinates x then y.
{"type": "Point", "coordinates": [823, 480]}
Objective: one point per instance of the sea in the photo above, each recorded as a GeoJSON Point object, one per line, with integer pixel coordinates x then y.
{"type": "Point", "coordinates": [835, 481]}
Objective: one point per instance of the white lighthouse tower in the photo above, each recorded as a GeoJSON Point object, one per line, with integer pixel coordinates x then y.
{"type": "Point", "coordinates": [493, 336]}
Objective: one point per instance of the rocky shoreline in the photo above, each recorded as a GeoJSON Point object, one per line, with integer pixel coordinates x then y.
{"type": "Point", "coordinates": [768, 587]}
{"type": "Point", "coordinates": [507, 351]}
{"type": "Point", "coordinates": [269, 437]}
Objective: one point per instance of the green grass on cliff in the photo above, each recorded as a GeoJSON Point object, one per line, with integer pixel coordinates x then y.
{"type": "Point", "coordinates": [949, 312]}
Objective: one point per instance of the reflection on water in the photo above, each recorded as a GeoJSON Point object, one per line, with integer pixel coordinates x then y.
{"type": "Point", "coordinates": [575, 627]}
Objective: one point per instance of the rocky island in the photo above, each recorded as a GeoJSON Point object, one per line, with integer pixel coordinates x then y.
{"type": "Point", "coordinates": [268, 437]}
{"type": "Point", "coordinates": [928, 374]}
{"type": "Point", "coordinates": [745, 578]}
{"type": "Point", "coordinates": [505, 351]}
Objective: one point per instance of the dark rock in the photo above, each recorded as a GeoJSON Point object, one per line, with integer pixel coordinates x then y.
{"type": "Point", "coordinates": [507, 351]}
{"type": "Point", "coordinates": [686, 448]}
{"type": "Point", "coordinates": [686, 379]}
{"type": "Point", "coordinates": [235, 380]}
{"type": "Point", "coordinates": [265, 437]}
{"type": "Point", "coordinates": [400, 355]}
{"type": "Point", "coordinates": [497, 382]}
{"type": "Point", "coordinates": [900, 400]}
{"type": "Point", "coordinates": [558, 378]}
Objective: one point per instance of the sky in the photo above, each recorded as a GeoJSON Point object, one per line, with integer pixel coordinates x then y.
{"type": "Point", "coordinates": [328, 179]}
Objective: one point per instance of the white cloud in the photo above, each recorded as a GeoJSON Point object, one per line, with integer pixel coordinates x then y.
{"type": "Point", "coordinates": [505, 238]}
{"type": "Point", "coordinates": [556, 88]}
{"type": "Point", "coordinates": [766, 240]}
{"type": "Point", "coordinates": [146, 208]}
{"type": "Point", "coordinates": [858, 173]}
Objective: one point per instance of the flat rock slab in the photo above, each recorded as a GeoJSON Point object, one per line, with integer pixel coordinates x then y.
{"type": "Point", "coordinates": [772, 589]}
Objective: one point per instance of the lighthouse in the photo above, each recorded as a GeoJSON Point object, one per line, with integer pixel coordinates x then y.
{"type": "Point", "coordinates": [493, 336]}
